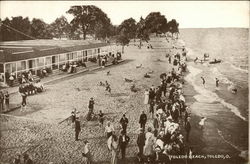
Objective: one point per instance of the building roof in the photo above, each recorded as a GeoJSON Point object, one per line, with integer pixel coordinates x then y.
{"type": "Point", "coordinates": [22, 50]}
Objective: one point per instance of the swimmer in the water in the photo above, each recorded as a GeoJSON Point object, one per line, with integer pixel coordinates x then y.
{"type": "Point", "coordinates": [217, 82]}
{"type": "Point", "coordinates": [203, 81]}
{"type": "Point", "coordinates": [234, 90]}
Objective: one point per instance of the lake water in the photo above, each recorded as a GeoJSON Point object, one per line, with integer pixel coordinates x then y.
{"type": "Point", "coordinates": [227, 113]}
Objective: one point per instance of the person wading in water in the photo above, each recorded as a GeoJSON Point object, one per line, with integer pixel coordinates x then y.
{"type": "Point", "coordinates": [203, 81]}
{"type": "Point", "coordinates": [217, 82]}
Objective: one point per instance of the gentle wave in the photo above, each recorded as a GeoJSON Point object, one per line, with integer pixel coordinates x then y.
{"type": "Point", "coordinates": [220, 76]}
{"type": "Point", "coordinates": [209, 96]}
{"type": "Point", "coordinates": [234, 146]}
{"type": "Point", "coordinates": [238, 68]}
{"type": "Point", "coordinates": [243, 153]}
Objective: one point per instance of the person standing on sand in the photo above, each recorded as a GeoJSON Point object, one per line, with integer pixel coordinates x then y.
{"type": "Point", "coordinates": [86, 154]}
{"type": "Point", "coordinates": [146, 98]}
{"type": "Point", "coordinates": [149, 144]}
{"type": "Point", "coordinates": [156, 124]}
{"type": "Point", "coordinates": [188, 129]}
{"type": "Point", "coordinates": [123, 143]}
{"type": "Point", "coordinates": [7, 99]}
{"type": "Point", "coordinates": [141, 143]}
{"type": "Point", "coordinates": [217, 82]}
{"type": "Point", "coordinates": [143, 120]}
{"type": "Point", "coordinates": [91, 105]}
{"type": "Point", "coordinates": [101, 119]}
{"type": "Point", "coordinates": [77, 128]}
{"type": "Point", "coordinates": [1, 101]}
{"type": "Point", "coordinates": [151, 94]}
{"type": "Point", "coordinates": [203, 81]}
{"type": "Point", "coordinates": [73, 117]}
{"type": "Point", "coordinates": [109, 129]}
{"type": "Point", "coordinates": [24, 103]}
{"type": "Point", "coordinates": [114, 149]}
{"type": "Point", "coordinates": [151, 107]}
{"type": "Point", "coordinates": [124, 123]}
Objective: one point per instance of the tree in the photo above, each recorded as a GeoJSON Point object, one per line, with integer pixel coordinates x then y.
{"type": "Point", "coordinates": [23, 25]}
{"type": "Point", "coordinates": [6, 33]}
{"type": "Point", "coordinates": [87, 18]}
{"type": "Point", "coordinates": [18, 28]}
{"type": "Point", "coordinates": [60, 27]}
{"type": "Point", "coordinates": [156, 23]}
{"type": "Point", "coordinates": [102, 30]}
{"type": "Point", "coordinates": [128, 27]}
{"type": "Point", "coordinates": [142, 32]}
{"type": "Point", "coordinates": [173, 27]}
{"type": "Point", "coordinates": [39, 29]}
{"type": "Point", "coordinates": [122, 39]}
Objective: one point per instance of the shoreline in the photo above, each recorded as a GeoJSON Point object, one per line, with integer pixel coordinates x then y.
{"type": "Point", "coordinates": [202, 136]}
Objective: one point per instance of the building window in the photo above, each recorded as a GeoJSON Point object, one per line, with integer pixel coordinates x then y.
{"type": "Point", "coordinates": [69, 56]}
{"type": "Point", "coordinates": [74, 55]}
{"type": "Point", "coordinates": [54, 62]}
{"type": "Point", "coordinates": [1, 68]}
{"type": "Point", "coordinates": [21, 65]}
{"type": "Point", "coordinates": [40, 62]}
{"type": "Point", "coordinates": [80, 56]}
{"type": "Point", "coordinates": [62, 57]}
{"type": "Point", "coordinates": [48, 61]}
{"type": "Point", "coordinates": [90, 52]}
{"type": "Point", "coordinates": [10, 67]}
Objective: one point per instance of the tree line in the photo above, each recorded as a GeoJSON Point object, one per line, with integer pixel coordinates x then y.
{"type": "Point", "coordinates": [87, 20]}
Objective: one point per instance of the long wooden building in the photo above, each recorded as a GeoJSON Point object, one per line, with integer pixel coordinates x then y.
{"type": "Point", "coordinates": [33, 55]}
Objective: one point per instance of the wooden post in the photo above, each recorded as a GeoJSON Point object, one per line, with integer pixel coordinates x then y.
{"type": "Point", "coordinates": [16, 70]}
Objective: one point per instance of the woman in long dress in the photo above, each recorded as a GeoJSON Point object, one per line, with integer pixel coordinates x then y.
{"type": "Point", "coordinates": [146, 93]}
{"type": "Point", "coordinates": [114, 149]}
{"type": "Point", "coordinates": [148, 148]}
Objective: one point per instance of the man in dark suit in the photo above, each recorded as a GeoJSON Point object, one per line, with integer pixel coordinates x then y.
{"type": "Point", "coordinates": [77, 128]}
{"type": "Point", "coordinates": [91, 105]}
{"type": "Point", "coordinates": [151, 95]}
{"type": "Point", "coordinates": [123, 142]}
{"type": "Point", "coordinates": [124, 123]}
{"type": "Point", "coordinates": [143, 120]}
{"type": "Point", "coordinates": [141, 142]}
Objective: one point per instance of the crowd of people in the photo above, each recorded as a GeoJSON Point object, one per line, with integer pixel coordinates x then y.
{"type": "Point", "coordinates": [169, 114]}
{"type": "Point", "coordinates": [29, 88]}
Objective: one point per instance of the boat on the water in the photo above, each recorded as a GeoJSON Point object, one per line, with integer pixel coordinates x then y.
{"type": "Point", "coordinates": [215, 61]}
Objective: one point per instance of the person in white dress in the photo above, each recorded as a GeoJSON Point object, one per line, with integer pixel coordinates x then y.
{"type": "Point", "coordinates": [146, 98]}
{"type": "Point", "coordinates": [150, 140]}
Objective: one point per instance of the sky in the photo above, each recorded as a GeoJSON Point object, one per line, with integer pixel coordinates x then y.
{"type": "Point", "coordinates": [189, 14]}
